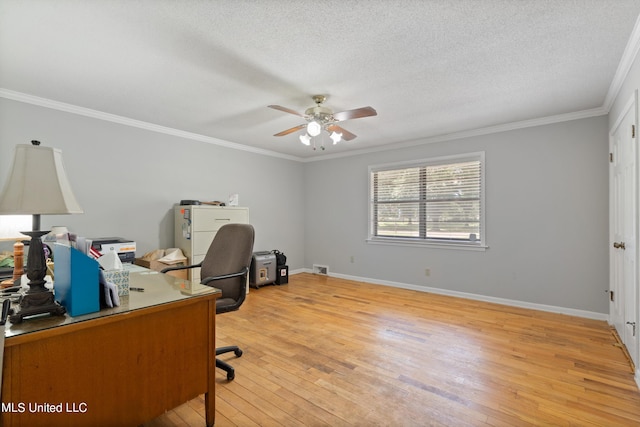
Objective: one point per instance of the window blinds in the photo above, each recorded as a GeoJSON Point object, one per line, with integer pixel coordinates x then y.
{"type": "Point", "coordinates": [428, 201]}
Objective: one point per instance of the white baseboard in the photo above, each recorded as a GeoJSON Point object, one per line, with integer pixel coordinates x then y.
{"type": "Point", "coordinates": [300, 270]}
{"type": "Point", "coordinates": [477, 297]}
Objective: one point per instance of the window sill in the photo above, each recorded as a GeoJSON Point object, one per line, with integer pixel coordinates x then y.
{"type": "Point", "coordinates": [427, 244]}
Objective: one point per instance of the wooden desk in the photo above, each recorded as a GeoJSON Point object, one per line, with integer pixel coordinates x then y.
{"type": "Point", "coordinates": [118, 367]}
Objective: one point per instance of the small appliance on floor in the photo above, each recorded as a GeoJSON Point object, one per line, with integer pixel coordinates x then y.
{"type": "Point", "coordinates": [263, 269]}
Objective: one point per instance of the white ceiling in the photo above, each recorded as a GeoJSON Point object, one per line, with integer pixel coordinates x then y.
{"type": "Point", "coordinates": [210, 68]}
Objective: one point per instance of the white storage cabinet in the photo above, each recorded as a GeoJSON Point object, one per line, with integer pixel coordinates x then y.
{"type": "Point", "coordinates": [197, 225]}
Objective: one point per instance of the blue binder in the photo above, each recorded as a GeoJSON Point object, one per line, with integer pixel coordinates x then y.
{"type": "Point", "coordinates": [76, 280]}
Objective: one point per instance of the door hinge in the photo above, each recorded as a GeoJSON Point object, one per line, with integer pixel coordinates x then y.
{"type": "Point", "coordinates": [611, 298]}
{"type": "Point", "coordinates": [610, 157]}
{"type": "Point", "coordinates": [619, 245]}
{"type": "Point", "coordinates": [633, 131]}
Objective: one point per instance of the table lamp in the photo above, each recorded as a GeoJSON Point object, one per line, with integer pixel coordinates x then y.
{"type": "Point", "coordinates": [37, 185]}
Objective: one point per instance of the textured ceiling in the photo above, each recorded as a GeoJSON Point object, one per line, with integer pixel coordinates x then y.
{"type": "Point", "coordinates": [210, 68]}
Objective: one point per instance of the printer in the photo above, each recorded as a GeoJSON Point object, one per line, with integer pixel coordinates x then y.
{"type": "Point", "coordinates": [126, 249]}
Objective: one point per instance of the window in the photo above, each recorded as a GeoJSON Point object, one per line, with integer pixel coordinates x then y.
{"type": "Point", "coordinates": [431, 201]}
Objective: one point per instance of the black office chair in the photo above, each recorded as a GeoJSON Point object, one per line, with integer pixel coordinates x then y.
{"type": "Point", "coordinates": [226, 267]}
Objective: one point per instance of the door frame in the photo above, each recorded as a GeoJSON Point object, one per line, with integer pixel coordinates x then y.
{"type": "Point", "coordinates": [621, 324]}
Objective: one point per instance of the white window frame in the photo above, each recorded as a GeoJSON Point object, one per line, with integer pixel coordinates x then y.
{"type": "Point", "coordinates": [479, 244]}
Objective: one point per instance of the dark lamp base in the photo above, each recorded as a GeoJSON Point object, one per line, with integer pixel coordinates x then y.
{"type": "Point", "coordinates": [38, 299]}
{"type": "Point", "coordinates": [36, 304]}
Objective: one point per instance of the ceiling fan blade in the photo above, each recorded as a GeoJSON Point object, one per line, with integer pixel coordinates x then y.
{"type": "Point", "coordinates": [285, 109]}
{"type": "Point", "coordinates": [346, 135]}
{"type": "Point", "coordinates": [355, 114]}
{"type": "Point", "coordinates": [288, 131]}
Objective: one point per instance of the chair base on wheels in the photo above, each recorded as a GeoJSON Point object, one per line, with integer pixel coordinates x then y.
{"type": "Point", "coordinates": [231, 373]}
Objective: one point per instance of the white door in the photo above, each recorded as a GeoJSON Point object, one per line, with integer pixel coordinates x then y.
{"type": "Point", "coordinates": [616, 258]}
{"type": "Point", "coordinates": [624, 219]}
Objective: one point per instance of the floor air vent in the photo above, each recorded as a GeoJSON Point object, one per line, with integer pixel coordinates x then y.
{"type": "Point", "coordinates": [320, 269]}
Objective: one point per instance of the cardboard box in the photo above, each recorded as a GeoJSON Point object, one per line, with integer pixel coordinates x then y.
{"type": "Point", "coordinates": [159, 266]}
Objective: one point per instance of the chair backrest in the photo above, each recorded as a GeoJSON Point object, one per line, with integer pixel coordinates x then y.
{"type": "Point", "coordinates": [230, 251]}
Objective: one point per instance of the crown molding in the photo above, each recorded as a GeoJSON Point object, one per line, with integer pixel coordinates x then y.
{"type": "Point", "coordinates": [626, 62]}
{"type": "Point", "coordinates": [74, 109]}
{"type": "Point", "coordinates": [628, 57]}
{"type": "Point", "coordinates": [594, 112]}
{"type": "Point", "coordinates": [61, 106]}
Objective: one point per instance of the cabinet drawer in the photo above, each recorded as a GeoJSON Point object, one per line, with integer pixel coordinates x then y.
{"type": "Point", "coordinates": [213, 219]}
{"type": "Point", "coordinates": [201, 242]}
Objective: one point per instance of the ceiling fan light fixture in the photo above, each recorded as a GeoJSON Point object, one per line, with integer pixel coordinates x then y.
{"type": "Point", "coordinates": [305, 139]}
{"type": "Point", "coordinates": [314, 128]}
{"type": "Point", "coordinates": [335, 137]}
{"type": "Point", "coordinates": [319, 119]}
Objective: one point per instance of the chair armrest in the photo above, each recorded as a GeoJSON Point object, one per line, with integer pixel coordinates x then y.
{"type": "Point", "coordinates": [206, 280]}
{"type": "Point", "coordinates": [180, 267]}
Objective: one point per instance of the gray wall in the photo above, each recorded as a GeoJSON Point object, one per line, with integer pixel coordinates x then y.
{"type": "Point", "coordinates": [546, 202]}
{"type": "Point", "coordinates": [546, 219]}
{"type": "Point", "coordinates": [128, 179]}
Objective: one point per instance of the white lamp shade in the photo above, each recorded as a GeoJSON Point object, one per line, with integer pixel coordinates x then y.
{"type": "Point", "coordinates": [335, 137]}
{"type": "Point", "coordinates": [37, 184]}
{"type": "Point", "coordinates": [314, 128]}
{"type": "Point", "coordinates": [305, 139]}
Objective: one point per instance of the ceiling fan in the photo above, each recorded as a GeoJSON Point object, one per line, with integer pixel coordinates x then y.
{"type": "Point", "coordinates": [321, 118]}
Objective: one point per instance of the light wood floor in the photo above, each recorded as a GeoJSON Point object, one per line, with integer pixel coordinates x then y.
{"type": "Point", "coordinates": [329, 352]}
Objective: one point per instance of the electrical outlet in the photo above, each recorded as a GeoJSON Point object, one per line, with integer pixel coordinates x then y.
{"type": "Point", "coordinates": [427, 272]}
